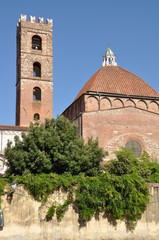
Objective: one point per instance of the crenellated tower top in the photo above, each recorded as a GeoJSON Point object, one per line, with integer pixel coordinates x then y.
{"type": "Point", "coordinates": [23, 18]}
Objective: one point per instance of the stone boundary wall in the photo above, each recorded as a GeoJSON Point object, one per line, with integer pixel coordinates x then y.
{"type": "Point", "coordinates": [24, 219]}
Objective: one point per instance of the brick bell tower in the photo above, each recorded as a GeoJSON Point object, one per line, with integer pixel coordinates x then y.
{"type": "Point", "coordinates": [34, 83]}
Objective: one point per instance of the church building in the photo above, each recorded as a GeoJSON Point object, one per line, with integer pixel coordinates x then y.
{"type": "Point", "coordinates": [119, 108]}
{"type": "Point", "coordinates": [115, 105]}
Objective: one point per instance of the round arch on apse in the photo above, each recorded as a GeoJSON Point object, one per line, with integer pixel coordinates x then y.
{"type": "Point", "coordinates": [153, 103]}
{"type": "Point", "coordinates": [142, 101]}
{"type": "Point", "coordinates": [118, 100]}
{"type": "Point", "coordinates": [108, 100]}
{"type": "Point", "coordinates": [130, 100]}
{"type": "Point", "coordinates": [97, 103]}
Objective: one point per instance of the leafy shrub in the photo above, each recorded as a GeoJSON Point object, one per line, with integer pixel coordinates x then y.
{"type": "Point", "coordinates": [127, 163]}
{"type": "Point", "coordinates": [53, 147]}
{"type": "Point", "coordinates": [121, 189]}
{"type": "Point", "coordinates": [124, 197]}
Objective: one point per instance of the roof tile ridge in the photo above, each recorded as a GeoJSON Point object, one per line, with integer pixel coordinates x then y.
{"type": "Point", "coordinates": [140, 78]}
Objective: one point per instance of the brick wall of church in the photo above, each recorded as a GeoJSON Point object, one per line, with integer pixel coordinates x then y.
{"type": "Point", "coordinates": [115, 120]}
{"type": "Point", "coordinates": [115, 127]}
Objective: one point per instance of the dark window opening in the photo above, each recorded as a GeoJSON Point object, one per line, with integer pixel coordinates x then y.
{"type": "Point", "coordinates": [135, 146]}
{"type": "Point", "coordinates": [36, 69]}
{"type": "Point", "coordinates": [36, 94]}
{"type": "Point", "coordinates": [36, 42]}
{"type": "Point", "coordinates": [36, 116]}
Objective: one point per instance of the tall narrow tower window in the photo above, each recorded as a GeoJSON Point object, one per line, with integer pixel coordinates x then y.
{"type": "Point", "coordinates": [36, 116]}
{"type": "Point", "coordinates": [36, 42]}
{"type": "Point", "coordinates": [36, 69]}
{"type": "Point", "coordinates": [36, 94]}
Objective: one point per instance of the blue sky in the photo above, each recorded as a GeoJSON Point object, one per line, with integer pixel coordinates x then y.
{"type": "Point", "coordinates": [81, 33]}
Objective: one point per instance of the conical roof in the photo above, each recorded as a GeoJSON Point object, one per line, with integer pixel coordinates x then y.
{"type": "Point", "coordinates": [117, 80]}
{"type": "Point", "coordinates": [109, 52]}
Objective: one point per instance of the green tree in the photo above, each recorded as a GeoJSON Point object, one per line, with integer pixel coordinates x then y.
{"type": "Point", "coordinates": [123, 164]}
{"type": "Point", "coordinates": [127, 163]}
{"type": "Point", "coordinates": [53, 147]}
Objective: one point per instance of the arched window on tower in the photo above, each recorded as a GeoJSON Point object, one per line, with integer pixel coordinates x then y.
{"type": "Point", "coordinates": [36, 69]}
{"type": "Point", "coordinates": [36, 42]}
{"type": "Point", "coordinates": [36, 94]}
{"type": "Point", "coordinates": [36, 116]}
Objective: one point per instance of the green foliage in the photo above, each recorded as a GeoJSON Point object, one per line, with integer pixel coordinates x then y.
{"type": "Point", "coordinates": [40, 186]}
{"type": "Point", "coordinates": [52, 156]}
{"type": "Point", "coordinates": [148, 169]}
{"type": "Point", "coordinates": [3, 182]}
{"type": "Point", "coordinates": [53, 147]}
{"type": "Point", "coordinates": [62, 208]}
{"type": "Point", "coordinates": [50, 213]}
{"type": "Point", "coordinates": [123, 164]}
{"type": "Point", "coordinates": [127, 163]}
{"type": "Point", "coordinates": [124, 197]}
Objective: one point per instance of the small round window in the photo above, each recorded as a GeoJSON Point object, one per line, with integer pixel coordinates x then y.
{"type": "Point", "coordinates": [135, 146]}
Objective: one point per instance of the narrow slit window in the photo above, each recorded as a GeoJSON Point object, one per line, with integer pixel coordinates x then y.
{"type": "Point", "coordinates": [36, 42]}
{"type": "Point", "coordinates": [36, 69]}
{"type": "Point", "coordinates": [36, 94]}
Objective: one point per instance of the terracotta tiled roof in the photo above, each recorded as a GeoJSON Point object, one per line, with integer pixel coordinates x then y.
{"type": "Point", "coordinates": [14, 128]}
{"type": "Point", "coordinates": [116, 80]}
